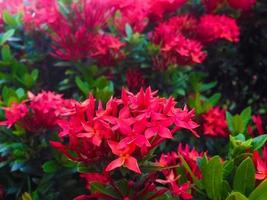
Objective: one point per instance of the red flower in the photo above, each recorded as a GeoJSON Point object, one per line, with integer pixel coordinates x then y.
{"type": "Point", "coordinates": [214, 123]}
{"type": "Point", "coordinates": [177, 45]}
{"type": "Point", "coordinates": [160, 7]}
{"type": "Point", "coordinates": [243, 5]}
{"type": "Point", "coordinates": [132, 12]}
{"type": "Point", "coordinates": [181, 191]}
{"type": "Point", "coordinates": [46, 108]}
{"type": "Point", "coordinates": [212, 5]}
{"type": "Point", "coordinates": [39, 13]}
{"type": "Point", "coordinates": [190, 157]}
{"type": "Point", "coordinates": [214, 27]}
{"type": "Point", "coordinates": [258, 122]}
{"type": "Point", "coordinates": [14, 113]}
{"type": "Point", "coordinates": [125, 158]}
{"type": "Point", "coordinates": [261, 164]}
{"type": "Point", "coordinates": [69, 43]}
{"type": "Point", "coordinates": [40, 111]}
{"type": "Point", "coordinates": [134, 80]}
{"type": "Point", "coordinates": [132, 124]}
{"type": "Point", "coordinates": [106, 49]}
{"type": "Point", "coordinates": [95, 178]}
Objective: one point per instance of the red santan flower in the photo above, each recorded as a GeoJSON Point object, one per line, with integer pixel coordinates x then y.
{"type": "Point", "coordinates": [122, 132]}
{"type": "Point", "coordinates": [40, 111]}
{"type": "Point", "coordinates": [174, 159]}
{"type": "Point", "coordinates": [261, 164]}
{"type": "Point", "coordinates": [182, 38]}
{"type": "Point", "coordinates": [214, 123]}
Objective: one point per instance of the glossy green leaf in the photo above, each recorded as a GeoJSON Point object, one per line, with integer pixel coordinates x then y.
{"type": "Point", "coordinates": [229, 119]}
{"type": "Point", "coordinates": [50, 166]}
{"type": "Point", "coordinates": [246, 116]}
{"type": "Point", "coordinates": [6, 36]}
{"type": "Point", "coordinates": [6, 53]}
{"type": "Point", "coordinates": [8, 19]}
{"type": "Point", "coordinates": [259, 141]}
{"type": "Point", "coordinates": [236, 196]}
{"type": "Point", "coordinates": [260, 193]}
{"type": "Point", "coordinates": [244, 179]}
{"type": "Point", "coordinates": [213, 178]}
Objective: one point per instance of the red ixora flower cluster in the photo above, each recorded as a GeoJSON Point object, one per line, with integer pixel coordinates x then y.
{"type": "Point", "coordinates": [79, 36]}
{"type": "Point", "coordinates": [183, 154]}
{"type": "Point", "coordinates": [243, 5]}
{"type": "Point", "coordinates": [260, 164]}
{"type": "Point", "coordinates": [182, 38]}
{"type": "Point", "coordinates": [39, 111]}
{"type": "Point", "coordinates": [214, 123]}
{"type": "Point", "coordinates": [122, 132]}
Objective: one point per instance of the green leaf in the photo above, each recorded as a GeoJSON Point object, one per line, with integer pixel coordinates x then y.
{"type": "Point", "coordinates": [50, 166]}
{"type": "Point", "coordinates": [213, 178]}
{"type": "Point", "coordinates": [244, 180]}
{"type": "Point", "coordinates": [6, 53]}
{"type": "Point", "coordinates": [228, 168]}
{"type": "Point", "coordinates": [259, 141]}
{"type": "Point", "coordinates": [6, 36]}
{"type": "Point", "coordinates": [236, 196]}
{"type": "Point", "coordinates": [98, 187]}
{"type": "Point", "coordinates": [260, 193]}
{"type": "Point", "coordinates": [207, 86]}
{"type": "Point", "coordinates": [229, 119]}
{"type": "Point", "coordinates": [128, 30]}
{"type": "Point", "coordinates": [213, 100]}
{"type": "Point", "coordinates": [246, 116]}
{"type": "Point", "coordinates": [83, 86]}
{"type": "Point", "coordinates": [8, 19]}
{"type": "Point", "coordinates": [34, 75]}
{"type": "Point", "coordinates": [20, 93]}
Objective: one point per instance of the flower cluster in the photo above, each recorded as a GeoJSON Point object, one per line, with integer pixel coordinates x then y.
{"type": "Point", "coordinates": [126, 129]}
{"type": "Point", "coordinates": [260, 164]}
{"type": "Point", "coordinates": [183, 154]}
{"type": "Point", "coordinates": [39, 111]}
{"type": "Point", "coordinates": [182, 38]}
{"type": "Point", "coordinates": [214, 123]}
{"type": "Point", "coordinates": [92, 29]}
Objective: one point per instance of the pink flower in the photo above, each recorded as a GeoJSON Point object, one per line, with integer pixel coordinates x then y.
{"type": "Point", "coordinates": [214, 123]}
